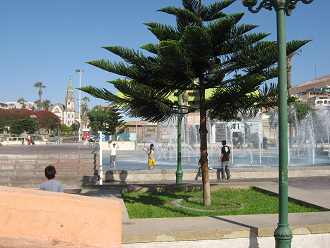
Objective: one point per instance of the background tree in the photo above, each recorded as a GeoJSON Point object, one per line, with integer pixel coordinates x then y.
{"type": "Point", "coordinates": [39, 85]}
{"type": "Point", "coordinates": [46, 104]}
{"type": "Point", "coordinates": [302, 110]}
{"type": "Point", "coordinates": [22, 101]}
{"type": "Point", "coordinates": [47, 120]}
{"type": "Point", "coordinates": [207, 49]}
{"type": "Point", "coordinates": [114, 124]}
{"type": "Point", "coordinates": [65, 129]}
{"type": "Point", "coordinates": [84, 105]}
{"type": "Point", "coordinates": [84, 110]}
{"type": "Point", "coordinates": [96, 118]}
{"type": "Point", "coordinates": [273, 120]}
{"type": "Point", "coordinates": [296, 112]}
{"type": "Point", "coordinates": [18, 126]}
{"type": "Point", "coordinates": [11, 118]}
{"type": "Point", "coordinates": [106, 119]}
{"type": "Point", "coordinates": [74, 127]}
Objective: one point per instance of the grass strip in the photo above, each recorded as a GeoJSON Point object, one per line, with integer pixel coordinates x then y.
{"type": "Point", "coordinates": [224, 202]}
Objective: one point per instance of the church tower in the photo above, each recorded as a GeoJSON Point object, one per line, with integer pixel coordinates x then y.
{"type": "Point", "coordinates": [66, 112]}
{"type": "Point", "coordinates": [70, 112]}
{"type": "Point", "coordinates": [69, 99]}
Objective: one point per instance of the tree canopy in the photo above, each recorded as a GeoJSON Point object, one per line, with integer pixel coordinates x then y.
{"type": "Point", "coordinates": [19, 120]}
{"type": "Point", "coordinates": [106, 119]}
{"type": "Point", "coordinates": [207, 49]}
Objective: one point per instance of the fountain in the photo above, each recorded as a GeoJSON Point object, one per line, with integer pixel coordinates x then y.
{"type": "Point", "coordinates": [247, 140]}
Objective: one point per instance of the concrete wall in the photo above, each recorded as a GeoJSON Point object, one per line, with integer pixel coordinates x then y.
{"type": "Point", "coordinates": [49, 216]}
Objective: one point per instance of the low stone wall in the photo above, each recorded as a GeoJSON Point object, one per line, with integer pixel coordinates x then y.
{"type": "Point", "coordinates": [123, 145]}
{"type": "Point", "coordinates": [190, 174]}
{"type": "Point", "coordinates": [54, 216]}
{"type": "Point", "coordinates": [21, 142]}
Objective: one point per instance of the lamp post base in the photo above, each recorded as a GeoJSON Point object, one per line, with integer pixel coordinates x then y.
{"type": "Point", "coordinates": [283, 236]}
{"type": "Point", "coordinates": [179, 174]}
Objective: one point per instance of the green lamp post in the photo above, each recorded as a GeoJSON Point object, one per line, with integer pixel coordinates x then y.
{"type": "Point", "coordinates": [283, 234]}
{"type": "Point", "coordinates": [179, 170]}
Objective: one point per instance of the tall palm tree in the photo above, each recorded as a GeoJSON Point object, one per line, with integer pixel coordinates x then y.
{"type": "Point", "coordinates": [207, 49]}
{"type": "Point", "coordinates": [39, 85]}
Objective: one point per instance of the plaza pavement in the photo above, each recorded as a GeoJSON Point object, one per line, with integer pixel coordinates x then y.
{"type": "Point", "coordinates": [313, 190]}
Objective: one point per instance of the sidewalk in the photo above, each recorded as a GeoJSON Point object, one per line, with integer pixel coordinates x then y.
{"type": "Point", "coordinates": [314, 191]}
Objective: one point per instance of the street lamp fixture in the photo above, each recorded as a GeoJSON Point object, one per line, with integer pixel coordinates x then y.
{"type": "Point", "coordinates": [79, 104]}
{"type": "Point", "coordinates": [283, 234]}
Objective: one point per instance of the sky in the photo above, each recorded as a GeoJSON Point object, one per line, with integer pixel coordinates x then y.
{"type": "Point", "coordinates": [46, 41]}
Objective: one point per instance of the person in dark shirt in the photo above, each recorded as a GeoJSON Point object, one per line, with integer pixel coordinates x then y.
{"type": "Point", "coordinates": [225, 158]}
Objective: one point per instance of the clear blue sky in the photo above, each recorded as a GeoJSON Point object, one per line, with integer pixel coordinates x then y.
{"type": "Point", "coordinates": [48, 40]}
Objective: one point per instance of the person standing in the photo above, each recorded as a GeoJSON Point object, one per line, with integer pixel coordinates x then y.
{"type": "Point", "coordinates": [51, 184]}
{"type": "Point", "coordinates": [225, 158]}
{"type": "Point", "coordinates": [29, 139]}
{"type": "Point", "coordinates": [151, 155]}
{"type": "Point", "coordinates": [113, 153]}
{"type": "Point", "coordinates": [200, 171]}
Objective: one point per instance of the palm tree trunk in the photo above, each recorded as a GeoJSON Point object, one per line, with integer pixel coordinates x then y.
{"type": "Point", "coordinates": [40, 92]}
{"type": "Point", "coordinates": [203, 137]}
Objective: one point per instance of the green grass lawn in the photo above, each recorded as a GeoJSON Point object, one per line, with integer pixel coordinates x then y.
{"type": "Point", "coordinates": [224, 202]}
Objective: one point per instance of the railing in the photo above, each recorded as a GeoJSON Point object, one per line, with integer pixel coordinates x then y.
{"type": "Point", "coordinates": [57, 142]}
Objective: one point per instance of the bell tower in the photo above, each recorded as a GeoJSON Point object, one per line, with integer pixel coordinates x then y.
{"type": "Point", "coordinates": [70, 112]}
{"type": "Point", "coordinates": [69, 99]}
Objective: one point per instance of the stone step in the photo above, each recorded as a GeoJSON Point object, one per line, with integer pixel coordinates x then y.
{"type": "Point", "coordinates": [27, 170]}
{"type": "Point", "coordinates": [68, 181]}
{"type": "Point", "coordinates": [48, 156]}
{"type": "Point", "coordinates": [42, 167]}
{"type": "Point", "coordinates": [48, 161]}
{"type": "Point", "coordinates": [64, 171]}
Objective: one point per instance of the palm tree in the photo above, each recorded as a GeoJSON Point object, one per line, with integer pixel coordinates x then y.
{"type": "Point", "coordinates": [46, 104]}
{"type": "Point", "coordinates": [22, 101]}
{"type": "Point", "coordinates": [207, 49]}
{"type": "Point", "coordinates": [39, 85]}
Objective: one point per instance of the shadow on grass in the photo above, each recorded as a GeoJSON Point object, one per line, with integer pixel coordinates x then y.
{"type": "Point", "coordinates": [156, 199]}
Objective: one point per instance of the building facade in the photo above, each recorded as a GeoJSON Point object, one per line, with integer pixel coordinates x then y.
{"type": "Point", "coordinates": [316, 93]}
{"type": "Point", "coordinates": [27, 105]}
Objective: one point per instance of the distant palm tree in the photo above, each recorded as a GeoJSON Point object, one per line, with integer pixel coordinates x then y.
{"type": "Point", "coordinates": [46, 104]}
{"type": "Point", "coordinates": [22, 101]}
{"type": "Point", "coordinates": [39, 85]}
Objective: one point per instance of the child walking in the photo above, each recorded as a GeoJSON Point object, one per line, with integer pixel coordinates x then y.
{"type": "Point", "coordinates": [151, 155]}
